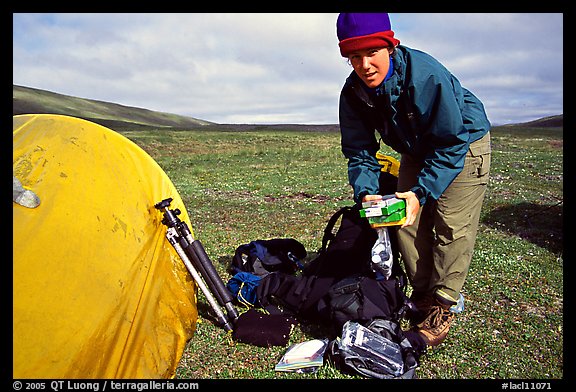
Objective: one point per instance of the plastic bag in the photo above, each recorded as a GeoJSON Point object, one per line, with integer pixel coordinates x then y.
{"type": "Point", "coordinates": [382, 257]}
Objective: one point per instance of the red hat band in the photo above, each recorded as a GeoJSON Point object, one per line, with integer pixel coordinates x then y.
{"type": "Point", "coordinates": [363, 42]}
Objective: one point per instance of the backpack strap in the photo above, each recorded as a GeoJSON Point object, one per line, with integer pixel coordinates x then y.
{"type": "Point", "coordinates": [294, 295]}
{"type": "Point", "coordinates": [284, 290]}
{"type": "Point", "coordinates": [329, 234]}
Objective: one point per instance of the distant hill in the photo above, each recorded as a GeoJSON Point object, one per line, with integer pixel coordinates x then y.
{"type": "Point", "coordinates": [26, 100]}
{"type": "Point", "coordinates": [545, 122]}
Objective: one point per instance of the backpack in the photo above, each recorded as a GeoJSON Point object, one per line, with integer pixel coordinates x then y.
{"type": "Point", "coordinates": [346, 249]}
{"type": "Point", "coordinates": [261, 257]}
{"type": "Point", "coordinates": [337, 285]}
{"type": "Point", "coordinates": [362, 298]}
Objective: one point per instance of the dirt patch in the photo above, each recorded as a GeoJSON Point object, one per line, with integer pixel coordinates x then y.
{"type": "Point", "coordinates": [556, 143]}
{"type": "Point", "coordinates": [298, 196]}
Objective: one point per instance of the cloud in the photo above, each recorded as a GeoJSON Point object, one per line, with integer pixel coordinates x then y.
{"type": "Point", "coordinates": [275, 68]}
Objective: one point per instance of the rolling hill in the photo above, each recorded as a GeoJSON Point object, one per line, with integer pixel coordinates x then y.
{"type": "Point", "coordinates": [544, 122]}
{"type": "Point", "coordinates": [27, 100]}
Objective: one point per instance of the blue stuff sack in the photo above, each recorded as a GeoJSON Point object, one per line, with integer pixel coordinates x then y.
{"type": "Point", "coordinates": [243, 287]}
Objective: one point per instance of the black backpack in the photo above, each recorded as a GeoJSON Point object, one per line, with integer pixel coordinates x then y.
{"type": "Point", "coordinates": [338, 284]}
{"type": "Point", "coordinates": [363, 299]}
{"type": "Point", "coordinates": [346, 248]}
{"type": "Point", "coordinates": [260, 257]}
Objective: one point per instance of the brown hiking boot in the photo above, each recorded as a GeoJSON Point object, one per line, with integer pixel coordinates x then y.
{"type": "Point", "coordinates": [422, 303]}
{"type": "Point", "coordinates": [435, 326]}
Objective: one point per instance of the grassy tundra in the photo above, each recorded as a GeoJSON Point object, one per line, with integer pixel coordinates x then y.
{"type": "Point", "coordinates": [243, 186]}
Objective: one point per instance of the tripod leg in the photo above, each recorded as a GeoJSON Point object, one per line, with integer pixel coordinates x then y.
{"type": "Point", "coordinates": [197, 253]}
{"type": "Point", "coordinates": [171, 236]}
{"type": "Point", "coordinates": [212, 275]}
{"type": "Point", "coordinates": [201, 268]}
{"type": "Point", "coordinates": [179, 234]}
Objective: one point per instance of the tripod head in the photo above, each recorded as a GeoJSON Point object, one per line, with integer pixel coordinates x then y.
{"type": "Point", "coordinates": [170, 216]}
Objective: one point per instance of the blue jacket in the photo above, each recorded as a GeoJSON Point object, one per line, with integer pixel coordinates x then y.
{"type": "Point", "coordinates": [420, 110]}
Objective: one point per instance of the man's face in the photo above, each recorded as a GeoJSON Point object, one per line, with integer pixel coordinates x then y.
{"type": "Point", "coordinates": [371, 65]}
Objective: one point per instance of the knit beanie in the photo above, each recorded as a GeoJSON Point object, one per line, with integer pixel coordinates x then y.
{"type": "Point", "coordinates": [363, 31]}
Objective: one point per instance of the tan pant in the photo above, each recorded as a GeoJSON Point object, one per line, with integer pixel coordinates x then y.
{"type": "Point", "coordinates": [437, 248]}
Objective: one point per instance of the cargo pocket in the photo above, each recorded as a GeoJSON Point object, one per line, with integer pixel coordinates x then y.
{"type": "Point", "coordinates": [480, 152]}
{"type": "Point", "coordinates": [345, 301]}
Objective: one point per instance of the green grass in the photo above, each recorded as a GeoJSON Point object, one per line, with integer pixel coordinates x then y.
{"type": "Point", "coordinates": [243, 186]}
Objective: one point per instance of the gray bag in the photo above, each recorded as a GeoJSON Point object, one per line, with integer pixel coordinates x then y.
{"type": "Point", "coordinates": [378, 350]}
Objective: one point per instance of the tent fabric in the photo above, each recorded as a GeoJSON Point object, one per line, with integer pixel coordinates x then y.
{"type": "Point", "coordinates": [98, 291]}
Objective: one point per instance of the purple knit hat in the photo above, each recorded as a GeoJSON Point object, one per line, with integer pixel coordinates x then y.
{"type": "Point", "coordinates": [363, 31]}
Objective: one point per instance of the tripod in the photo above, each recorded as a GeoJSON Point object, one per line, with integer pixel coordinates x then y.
{"type": "Point", "coordinates": [194, 256]}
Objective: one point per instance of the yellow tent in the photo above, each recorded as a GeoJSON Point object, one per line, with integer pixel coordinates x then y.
{"type": "Point", "coordinates": [98, 290]}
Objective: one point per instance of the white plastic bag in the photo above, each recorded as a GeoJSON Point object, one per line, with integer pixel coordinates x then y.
{"type": "Point", "coordinates": [382, 258]}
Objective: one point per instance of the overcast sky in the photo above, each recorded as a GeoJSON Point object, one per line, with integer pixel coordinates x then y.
{"type": "Point", "coordinates": [278, 68]}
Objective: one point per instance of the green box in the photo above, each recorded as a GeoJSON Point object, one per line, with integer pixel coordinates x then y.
{"type": "Point", "coordinates": [394, 217]}
{"type": "Point", "coordinates": [384, 208]}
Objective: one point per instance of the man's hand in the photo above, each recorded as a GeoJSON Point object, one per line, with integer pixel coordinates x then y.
{"type": "Point", "coordinates": [412, 206]}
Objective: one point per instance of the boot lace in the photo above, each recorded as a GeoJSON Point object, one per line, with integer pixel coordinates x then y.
{"type": "Point", "coordinates": [438, 319]}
